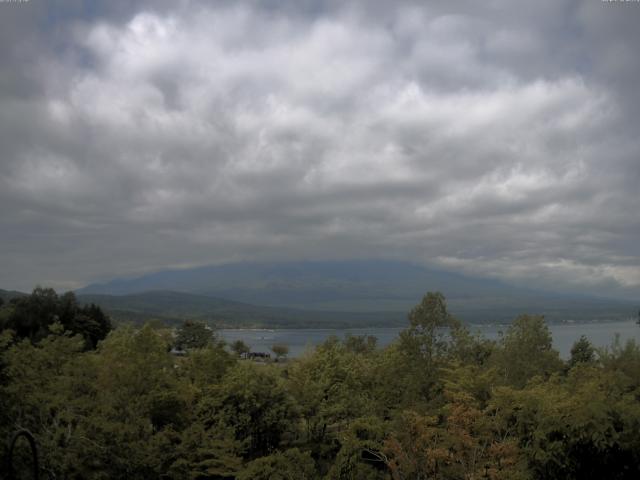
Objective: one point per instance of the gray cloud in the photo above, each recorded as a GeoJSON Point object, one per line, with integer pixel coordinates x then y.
{"type": "Point", "coordinates": [140, 136]}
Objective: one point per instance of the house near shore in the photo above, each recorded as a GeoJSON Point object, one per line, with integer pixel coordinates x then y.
{"type": "Point", "coordinates": [256, 356]}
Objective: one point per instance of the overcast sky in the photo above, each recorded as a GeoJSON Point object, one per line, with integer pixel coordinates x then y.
{"type": "Point", "coordinates": [494, 138]}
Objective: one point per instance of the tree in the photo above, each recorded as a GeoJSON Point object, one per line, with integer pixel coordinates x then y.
{"type": "Point", "coordinates": [578, 426]}
{"type": "Point", "coordinates": [329, 386]}
{"type": "Point", "coordinates": [6, 312]}
{"type": "Point", "coordinates": [623, 359]}
{"type": "Point", "coordinates": [291, 464]}
{"type": "Point", "coordinates": [526, 350]}
{"type": "Point", "coordinates": [467, 348]}
{"type": "Point", "coordinates": [32, 316]}
{"type": "Point", "coordinates": [199, 452]}
{"type": "Point", "coordinates": [240, 348]}
{"type": "Point", "coordinates": [280, 350]}
{"type": "Point", "coordinates": [193, 335]}
{"type": "Point", "coordinates": [47, 389]}
{"type": "Point", "coordinates": [425, 335]}
{"type": "Point", "coordinates": [582, 351]}
{"type": "Point", "coordinates": [423, 347]}
{"type": "Point", "coordinates": [206, 366]}
{"type": "Point", "coordinates": [254, 404]}
{"type": "Point", "coordinates": [99, 321]}
{"type": "Point", "coordinates": [361, 454]}
{"type": "Point", "coordinates": [360, 343]}
{"type": "Point", "coordinates": [457, 443]}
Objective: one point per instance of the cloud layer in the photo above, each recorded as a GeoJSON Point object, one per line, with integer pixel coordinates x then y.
{"type": "Point", "coordinates": [136, 137]}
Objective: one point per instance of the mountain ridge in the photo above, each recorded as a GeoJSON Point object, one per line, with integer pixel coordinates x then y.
{"type": "Point", "coordinates": [174, 307]}
{"type": "Point", "coordinates": [365, 287]}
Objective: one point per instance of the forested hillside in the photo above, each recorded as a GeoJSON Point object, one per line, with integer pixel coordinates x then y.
{"type": "Point", "coordinates": [439, 403]}
{"type": "Point", "coordinates": [172, 307]}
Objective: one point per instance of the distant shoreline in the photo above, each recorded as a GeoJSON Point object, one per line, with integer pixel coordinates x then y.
{"type": "Point", "coordinates": [300, 340]}
{"type": "Point", "coordinates": [472, 325]}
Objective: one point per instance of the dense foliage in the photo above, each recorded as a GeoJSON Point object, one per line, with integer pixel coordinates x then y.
{"type": "Point", "coordinates": [32, 316]}
{"type": "Point", "coordinates": [440, 403]}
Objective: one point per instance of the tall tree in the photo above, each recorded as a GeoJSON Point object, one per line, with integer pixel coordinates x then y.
{"type": "Point", "coordinates": [253, 403]}
{"type": "Point", "coordinates": [32, 316]}
{"type": "Point", "coordinates": [239, 347]}
{"type": "Point", "coordinates": [288, 465]}
{"type": "Point", "coordinates": [582, 351]}
{"type": "Point", "coordinates": [426, 335]}
{"type": "Point", "coordinates": [194, 335]}
{"type": "Point", "coordinates": [526, 350]}
{"type": "Point", "coordinates": [423, 346]}
{"type": "Point", "coordinates": [281, 350]}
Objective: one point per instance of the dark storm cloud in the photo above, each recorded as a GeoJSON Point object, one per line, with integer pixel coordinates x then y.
{"type": "Point", "coordinates": [498, 139]}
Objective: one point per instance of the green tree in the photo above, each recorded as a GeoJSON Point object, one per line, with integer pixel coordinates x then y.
{"type": "Point", "coordinates": [526, 350]}
{"type": "Point", "coordinates": [426, 336]}
{"type": "Point", "coordinates": [623, 360]}
{"type": "Point", "coordinates": [581, 426]}
{"type": "Point", "coordinates": [32, 314]}
{"type": "Point", "coordinates": [423, 348]}
{"type": "Point", "coordinates": [194, 335]}
{"type": "Point", "coordinates": [198, 452]}
{"type": "Point", "coordinates": [240, 348]}
{"type": "Point", "coordinates": [582, 351]}
{"type": "Point", "coordinates": [291, 464]}
{"type": "Point", "coordinates": [360, 343]}
{"type": "Point", "coordinates": [31, 317]}
{"type": "Point", "coordinates": [49, 389]}
{"type": "Point", "coordinates": [361, 454]}
{"type": "Point", "coordinates": [206, 366]}
{"type": "Point", "coordinates": [253, 403]}
{"type": "Point", "coordinates": [467, 348]}
{"type": "Point", "coordinates": [331, 387]}
{"type": "Point", "coordinates": [280, 350]}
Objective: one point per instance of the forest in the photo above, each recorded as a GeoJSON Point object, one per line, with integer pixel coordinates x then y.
{"type": "Point", "coordinates": [105, 402]}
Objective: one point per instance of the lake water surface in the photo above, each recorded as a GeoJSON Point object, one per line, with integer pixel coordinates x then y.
{"type": "Point", "coordinates": [300, 340]}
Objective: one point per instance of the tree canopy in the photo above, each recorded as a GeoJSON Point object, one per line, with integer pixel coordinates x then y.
{"type": "Point", "coordinates": [32, 316]}
{"type": "Point", "coordinates": [192, 334]}
{"type": "Point", "coordinates": [439, 403]}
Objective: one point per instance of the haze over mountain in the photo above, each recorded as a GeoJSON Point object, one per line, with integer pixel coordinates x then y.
{"type": "Point", "coordinates": [357, 286]}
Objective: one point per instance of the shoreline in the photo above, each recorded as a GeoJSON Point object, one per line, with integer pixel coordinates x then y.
{"type": "Point", "coordinates": [555, 323]}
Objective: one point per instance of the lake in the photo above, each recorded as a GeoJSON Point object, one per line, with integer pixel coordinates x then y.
{"type": "Point", "coordinates": [300, 340]}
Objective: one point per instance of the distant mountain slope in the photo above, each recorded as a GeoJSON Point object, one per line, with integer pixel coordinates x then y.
{"type": "Point", "coordinates": [173, 307]}
{"type": "Point", "coordinates": [7, 295]}
{"type": "Point", "coordinates": [367, 287]}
